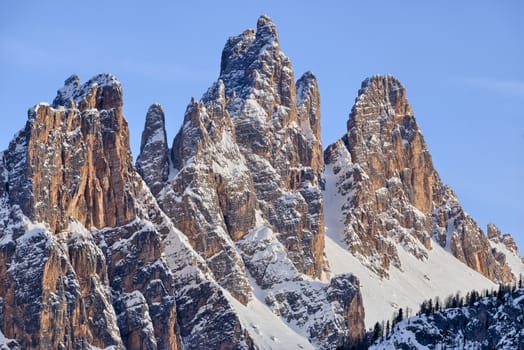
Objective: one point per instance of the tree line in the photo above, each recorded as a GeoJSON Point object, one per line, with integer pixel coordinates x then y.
{"type": "Point", "coordinates": [428, 307]}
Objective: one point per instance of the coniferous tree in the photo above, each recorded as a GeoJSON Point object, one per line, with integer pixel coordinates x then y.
{"type": "Point", "coordinates": [430, 307]}
{"type": "Point", "coordinates": [455, 300]}
{"type": "Point", "coordinates": [473, 297]}
{"type": "Point", "coordinates": [500, 294]}
{"type": "Point", "coordinates": [377, 332]}
{"type": "Point", "coordinates": [394, 320]}
{"type": "Point", "coordinates": [423, 308]}
{"type": "Point", "coordinates": [400, 315]}
{"type": "Point", "coordinates": [448, 302]}
{"type": "Point", "coordinates": [467, 300]}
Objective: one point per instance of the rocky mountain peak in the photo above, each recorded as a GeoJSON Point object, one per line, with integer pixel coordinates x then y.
{"type": "Point", "coordinates": [73, 158]}
{"type": "Point", "coordinates": [510, 244]}
{"type": "Point", "coordinates": [308, 103]}
{"type": "Point", "coordinates": [246, 191]}
{"type": "Point", "coordinates": [248, 43]}
{"type": "Point", "coordinates": [305, 85]}
{"type": "Point", "coordinates": [153, 161]}
{"type": "Point", "coordinates": [103, 91]}
{"type": "Point", "coordinates": [494, 233]}
{"type": "Point", "coordinates": [81, 259]}
{"type": "Point", "coordinates": [387, 86]}
{"type": "Point", "coordinates": [506, 240]}
{"type": "Point", "coordinates": [394, 195]}
{"type": "Point", "coordinates": [254, 66]}
{"type": "Point", "coordinates": [267, 32]}
{"type": "Point", "coordinates": [381, 112]}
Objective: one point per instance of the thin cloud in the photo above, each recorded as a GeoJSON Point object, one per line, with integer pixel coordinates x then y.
{"type": "Point", "coordinates": [167, 71]}
{"type": "Point", "coordinates": [16, 51]}
{"type": "Point", "coordinates": [500, 86]}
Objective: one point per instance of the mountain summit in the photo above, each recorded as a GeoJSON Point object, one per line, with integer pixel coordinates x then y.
{"type": "Point", "coordinates": [395, 192]}
{"type": "Point", "coordinates": [407, 235]}
{"type": "Point", "coordinates": [244, 186]}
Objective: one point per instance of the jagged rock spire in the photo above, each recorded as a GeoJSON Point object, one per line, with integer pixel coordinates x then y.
{"type": "Point", "coordinates": [153, 161]}
{"type": "Point", "coordinates": [308, 103]}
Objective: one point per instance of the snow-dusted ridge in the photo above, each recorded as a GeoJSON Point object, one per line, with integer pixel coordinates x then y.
{"type": "Point", "coordinates": [220, 241]}
{"type": "Point", "coordinates": [74, 91]}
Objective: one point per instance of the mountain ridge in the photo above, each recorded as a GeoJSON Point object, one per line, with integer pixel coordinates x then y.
{"type": "Point", "coordinates": [189, 246]}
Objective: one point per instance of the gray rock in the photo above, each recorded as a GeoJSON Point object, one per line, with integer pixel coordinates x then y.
{"type": "Point", "coordinates": [153, 161]}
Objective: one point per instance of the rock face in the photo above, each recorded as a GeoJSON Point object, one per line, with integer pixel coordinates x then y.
{"type": "Point", "coordinates": [81, 265]}
{"type": "Point", "coordinates": [244, 187]}
{"type": "Point", "coordinates": [277, 131]}
{"type": "Point", "coordinates": [507, 240]}
{"type": "Point", "coordinates": [153, 150]}
{"type": "Point", "coordinates": [262, 140]}
{"type": "Point", "coordinates": [76, 159]}
{"type": "Point", "coordinates": [392, 194]}
{"type": "Point", "coordinates": [217, 242]}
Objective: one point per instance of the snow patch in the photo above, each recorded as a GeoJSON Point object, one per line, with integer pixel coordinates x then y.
{"type": "Point", "coordinates": [268, 331]}
{"type": "Point", "coordinates": [440, 275]}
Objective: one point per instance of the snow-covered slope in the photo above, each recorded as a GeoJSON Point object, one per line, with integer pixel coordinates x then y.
{"type": "Point", "coordinates": [266, 329]}
{"type": "Point", "coordinates": [441, 274]}
{"type": "Point", "coordinates": [8, 344]}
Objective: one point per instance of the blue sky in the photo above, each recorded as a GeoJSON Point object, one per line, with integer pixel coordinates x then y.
{"type": "Point", "coordinates": [461, 62]}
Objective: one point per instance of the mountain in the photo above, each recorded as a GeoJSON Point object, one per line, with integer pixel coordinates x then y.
{"type": "Point", "coordinates": [243, 184]}
{"type": "Point", "coordinates": [81, 261]}
{"type": "Point", "coordinates": [493, 322]}
{"type": "Point", "coordinates": [230, 253]}
{"type": "Point", "coordinates": [383, 167]}
{"type": "Point", "coordinates": [392, 221]}
{"type": "Point", "coordinates": [242, 232]}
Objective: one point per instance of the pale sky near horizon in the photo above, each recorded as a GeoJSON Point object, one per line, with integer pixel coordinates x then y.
{"type": "Point", "coordinates": [461, 62]}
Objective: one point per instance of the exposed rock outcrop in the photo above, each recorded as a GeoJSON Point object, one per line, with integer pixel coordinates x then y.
{"type": "Point", "coordinates": [507, 240]}
{"type": "Point", "coordinates": [185, 249]}
{"type": "Point", "coordinates": [74, 161]}
{"type": "Point", "coordinates": [153, 162]}
{"type": "Point", "coordinates": [393, 196]}
{"type": "Point", "coordinates": [279, 140]}
{"type": "Point", "coordinates": [68, 282]}
{"type": "Point", "coordinates": [263, 142]}
{"type": "Point", "coordinates": [245, 186]}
